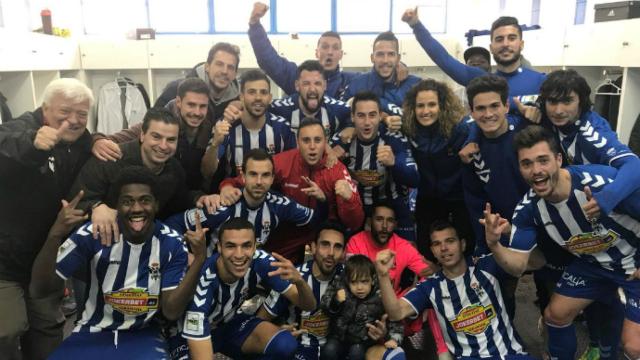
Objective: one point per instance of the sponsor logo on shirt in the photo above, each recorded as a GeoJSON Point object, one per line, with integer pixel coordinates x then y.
{"type": "Point", "coordinates": [132, 301]}
{"type": "Point", "coordinates": [473, 319]}
{"type": "Point", "coordinates": [592, 243]}
{"type": "Point", "coordinates": [316, 324]}
{"type": "Point", "coordinates": [369, 177]}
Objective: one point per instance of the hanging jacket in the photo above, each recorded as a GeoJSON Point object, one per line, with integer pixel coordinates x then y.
{"type": "Point", "coordinates": [121, 105]}
{"type": "Point", "coordinates": [5, 113]}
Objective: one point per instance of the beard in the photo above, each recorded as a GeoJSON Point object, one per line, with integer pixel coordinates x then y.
{"type": "Point", "coordinates": [507, 62]}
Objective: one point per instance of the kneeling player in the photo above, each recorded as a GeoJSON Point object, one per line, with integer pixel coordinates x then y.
{"type": "Point", "coordinates": [212, 322]}
{"type": "Point", "coordinates": [606, 248]}
{"type": "Point", "coordinates": [129, 281]}
{"type": "Point", "coordinates": [466, 297]}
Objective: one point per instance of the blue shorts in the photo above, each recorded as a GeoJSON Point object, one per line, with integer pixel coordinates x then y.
{"type": "Point", "coordinates": [307, 352]}
{"type": "Point", "coordinates": [228, 338]}
{"type": "Point", "coordinates": [144, 343]}
{"type": "Point", "coordinates": [585, 280]}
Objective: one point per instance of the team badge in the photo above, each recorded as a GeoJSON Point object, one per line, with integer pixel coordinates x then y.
{"type": "Point", "coordinates": [477, 288]}
{"type": "Point", "coordinates": [154, 271]}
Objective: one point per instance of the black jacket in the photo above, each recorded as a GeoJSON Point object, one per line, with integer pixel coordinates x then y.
{"type": "Point", "coordinates": [32, 184]}
{"type": "Point", "coordinates": [97, 177]}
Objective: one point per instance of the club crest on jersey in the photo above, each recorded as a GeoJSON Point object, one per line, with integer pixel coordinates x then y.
{"type": "Point", "coordinates": [132, 301]}
{"type": "Point", "coordinates": [316, 324]}
{"type": "Point", "coordinates": [593, 242]}
{"type": "Point", "coordinates": [271, 149]}
{"type": "Point", "coordinates": [154, 271]}
{"type": "Point", "coordinates": [266, 230]}
{"type": "Point", "coordinates": [473, 319]}
{"type": "Point", "coordinates": [477, 288]}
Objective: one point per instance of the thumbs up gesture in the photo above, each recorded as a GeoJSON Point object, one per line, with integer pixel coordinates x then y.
{"type": "Point", "coordinates": [385, 155]}
{"type": "Point", "coordinates": [47, 137]}
{"type": "Point", "coordinates": [529, 112]}
{"type": "Point", "coordinates": [591, 208]}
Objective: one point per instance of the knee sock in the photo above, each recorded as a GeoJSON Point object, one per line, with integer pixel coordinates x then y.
{"type": "Point", "coordinates": [394, 354]}
{"type": "Point", "coordinates": [562, 342]}
{"type": "Point", "coordinates": [281, 345]}
{"type": "Point", "coordinates": [610, 320]}
{"type": "Point", "coordinates": [593, 323]}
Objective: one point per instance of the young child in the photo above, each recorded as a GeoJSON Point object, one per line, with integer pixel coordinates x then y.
{"type": "Point", "coordinates": [351, 304]}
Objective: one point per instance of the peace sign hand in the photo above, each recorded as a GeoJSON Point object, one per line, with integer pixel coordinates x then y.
{"type": "Point", "coordinates": [196, 239]}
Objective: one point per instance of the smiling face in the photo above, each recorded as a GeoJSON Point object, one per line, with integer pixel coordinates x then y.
{"type": "Point", "coordinates": [329, 52]}
{"type": "Point", "coordinates": [447, 248]}
{"type": "Point", "coordinates": [311, 86]}
{"type": "Point", "coordinates": [193, 108]}
{"type": "Point", "coordinates": [236, 248]}
{"type": "Point", "coordinates": [540, 168]}
{"type": "Point", "coordinates": [222, 70]}
{"type": "Point", "coordinates": [563, 111]}
{"type": "Point", "coordinates": [366, 119]}
{"type": "Point", "coordinates": [490, 113]}
{"type": "Point", "coordinates": [427, 107]}
{"type": "Point", "coordinates": [385, 58]}
{"type": "Point", "coordinates": [311, 142]}
{"type": "Point", "coordinates": [506, 45]}
{"type": "Point", "coordinates": [327, 251]}
{"type": "Point", "coordinates": [61, 109]}
{"type": "Point", "coordinates": [158, 144]}
{"type": "Point", "coordinates": [137, 209]}
{"type": "Point", "coordinates": [256, 97]}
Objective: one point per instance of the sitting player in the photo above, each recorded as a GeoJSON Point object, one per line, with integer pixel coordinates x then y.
{"type": "Point", "coordinates": [230, 276]}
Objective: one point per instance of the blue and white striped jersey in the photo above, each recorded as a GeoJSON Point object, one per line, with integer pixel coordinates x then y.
{"type": "Point", "coordinates": [316, 322]}
{"type": "Point", "coordinates": [265, 218]}
{"type": "Point", "coordinates": [612, 241]}
{"type": "Point", "coordinates": [334, 114]}
{"type": "Point", "coordinates": [590, 140]}
{"type": "Point", "coordinates": [470, 311]}
{"type": "Point", "coordinates": [216, 302]}
{"type": "Point", "coordinates": [275, 136]}
{"type": "Point", "coordinates": [125, 280]}
{"type": "Point", "coordinates": [375, 181]}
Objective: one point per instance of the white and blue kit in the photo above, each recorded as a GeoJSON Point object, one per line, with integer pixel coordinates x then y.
{"type": "Point", "coordinates": [470, 311]}
{"type": "Point", "coordinates": [274, 137]}
{"type": "Point", "coordinates": [590, 140]}
{"type": "Point", "coordinates": [379, 182]}
{"type": "Point", "coordinates": [214, 311]}
{"type": "Point", "coordinates": [316, 323]}
{"type": "Point", "coordinates": [275, 209]}
{"type": "Point", "coordinates": [334, 114]}
{"type": "Point", "coordinates": [607, 249]}
{"type": "Point", "coordinates": [125, 283]}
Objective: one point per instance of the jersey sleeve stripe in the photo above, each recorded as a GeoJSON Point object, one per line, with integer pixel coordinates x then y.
{"type": "Point", "coordinates": [413, 307]}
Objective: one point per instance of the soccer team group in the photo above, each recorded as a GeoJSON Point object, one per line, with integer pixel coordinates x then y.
{"type": "Point", "coordinates": [334, 223]}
